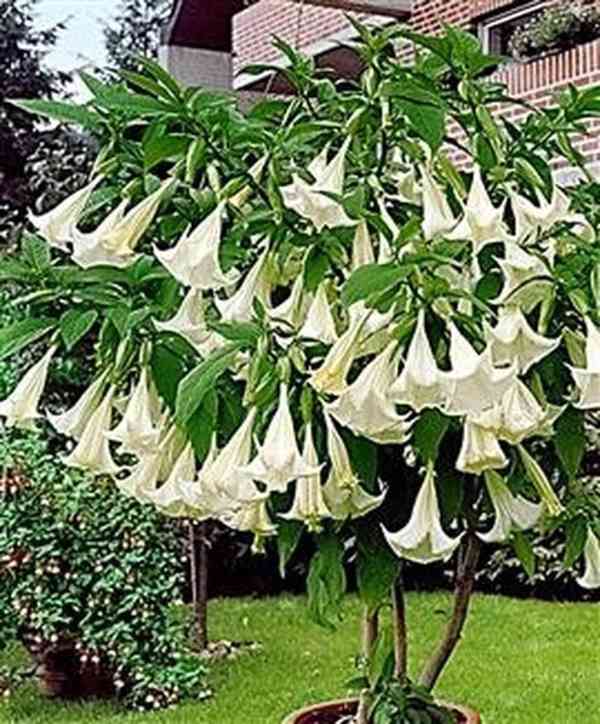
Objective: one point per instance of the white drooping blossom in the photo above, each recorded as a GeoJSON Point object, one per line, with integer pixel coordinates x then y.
{"type": "Point", "coordinates": [480, 450]}
{"type": "Point", "coordinates": [474, 384]}
{"type": "Point", "coordinates": [202, 499]}
{"type": "Point", "coordinates": [591, 576]}
{"type": "Point", "coordinates": [362, 247]}
{"type": "Point", "coordinates": [123, 238]}
{"type": "Point", "coordinates": [513, 340]}
{"type": "Point", "coordinates": [190, 324]}
{"type": "Point", "coordinates": [511, 512]}
{"type": "Point", "coordinates": [89, 250]}
{"type": "Point", "coordinates": [138, 431]}
{"type": "Point", "coordinates": [423, 539]}
{"type": "Point", "coordinates": [20, 408]}
{"type": "Point", "coordinates": [527, 281]}
{"type": "Point", "coordinates": [319, 323]}
{"type": "Point", "coordinates": [255, 172]}
{"type": "Point", "coordinates": [194, 261]}
{"type": "Point", "coordinates": [252, 517]}
{"type": "Point", "coordinates": [330, 377]}
{"type": "Point", "coordinates": [239, 307]}
{"type": "Point", "coordinates": [143, 478]}
{"type": "Point", "coordinates": [57, 226]}
{"type": "Point", "coordinates": [279, 461]}
{"type": "Point", "coordinates": [518, 415]}
{"type": "Point", "coordinates": [309, 201]}
{"type": "Point", "coordinates": [92, 451]}
{"type": "Point", "coordinates": [169, 498]}
{"type": "Point", "coordinates": [343, 493]}
{"type": "Point", "coordinates": [408, 190]}
{"type": "Point", "coordinates": [385, 253]}
{"type": "Point", "coordinates": [224, 474]}
{"type": "Point", "coordinates": [309, 505]}
{"type": "Point", "coordinates": [588, 380]}
{"type": "Point", "coordinates": [438, 218]}
{"type": "Point", "coordinates": [291, 311]}
{"type": "Point", "coordinates": [365, 406]}
{"type": "Point", "coordinates": [73, 422]}
{"type": "Point", "coordinates": [421, 383]}
{"type": "Point", "coordinates": [482, 222]}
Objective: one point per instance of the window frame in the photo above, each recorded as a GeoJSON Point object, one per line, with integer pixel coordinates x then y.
{"type": "Point", "coordinates": [486, 26]}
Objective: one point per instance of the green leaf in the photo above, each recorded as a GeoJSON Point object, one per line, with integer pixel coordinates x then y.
{"type": "Point", "coordinates": [372, 279]}
{"type": "Point", "coordinates": [289, 533]}
{"type": "Point", "coordinates": [316, 267]}
{"type": "Point", "coordinates": [21, 334]}
{"type": "Point", "coordinates": [525, 553]}
{"type": "Point", "coordinates": [164, 148]}
{"type": "Point", "coordinates": [36, 251]}
{"type": "Point", "coordinates": [246, 333]}
{"type": "Point", "coordinates": [74, 325]}
{"type": "Point", "coordinates": [326, 582]}
{"type": "Point", "coordinates": [200, 380]}
{"type": "Point", "coordinates": [429, 432]}
{"type": "Point", "coordinates": [376, 567]}
{"type": "Point", "coordinates": [201, 425]}
{"type": "Point", "coordinates": [576, 531]}
{"type": "Point", "coordinates": [59, 111]}
{"type": "Point", "coordinates": [569, 440]}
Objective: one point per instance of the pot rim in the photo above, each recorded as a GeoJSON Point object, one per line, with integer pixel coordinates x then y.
{"type": "Point", "coordinates": [471, 715]}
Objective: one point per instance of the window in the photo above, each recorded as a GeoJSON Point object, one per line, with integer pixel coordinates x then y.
{"type": "Point", "coordinates": [496, 30]}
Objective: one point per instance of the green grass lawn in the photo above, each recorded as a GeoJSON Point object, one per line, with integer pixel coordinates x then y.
{"type": "Point", "coordinates": [521, 662]}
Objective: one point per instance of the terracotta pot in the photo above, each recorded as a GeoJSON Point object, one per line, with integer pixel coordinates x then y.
{"type": "Point", "coordinates": [331, 712]}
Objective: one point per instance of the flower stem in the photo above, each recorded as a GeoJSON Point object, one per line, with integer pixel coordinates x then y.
{"type": "Point", "coordinates": [400, 629]}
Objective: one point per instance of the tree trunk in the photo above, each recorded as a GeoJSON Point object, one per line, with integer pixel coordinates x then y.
{"type": "Point", "coordinates": [370, 631]}
{"type": "Point", "coordinates": [463, 589]}
{"type": "Point", "coordinates": [400, 629]}
{"type": "Point", "coordinates": [362, 713]}
{"type": "Point", "coordinates": [199, 580]}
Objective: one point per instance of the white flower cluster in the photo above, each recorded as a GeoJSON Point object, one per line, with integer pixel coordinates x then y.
{"type": "Point", "coordinates": [485, 387]}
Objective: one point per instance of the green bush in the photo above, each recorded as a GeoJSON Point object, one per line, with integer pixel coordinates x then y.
{"type": "Point", "coordinates": [81, 563]}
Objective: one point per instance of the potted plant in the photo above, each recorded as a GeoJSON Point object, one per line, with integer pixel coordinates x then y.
{"type": "Point", "coordinates": [312, 320]}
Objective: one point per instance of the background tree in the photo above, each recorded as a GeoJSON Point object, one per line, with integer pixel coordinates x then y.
{"type": "Point", "coordinates": [24, 75]}
{"type": "Point", "coordinates": [135, 30]}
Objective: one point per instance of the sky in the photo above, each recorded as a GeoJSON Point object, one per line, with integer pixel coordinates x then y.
{"type": "Point", "coordinates": [82, 41]}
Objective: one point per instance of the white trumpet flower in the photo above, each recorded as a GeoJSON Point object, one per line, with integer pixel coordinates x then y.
{"type": "Point", "coordinates": [591, 577]}
{"type": "Point", "coordinates": [474, 384]}
{"type": "Point", "coordinates": [138, 432]}
{"type": "Point", "coordinates": [331, 376]}
{"type": "Point", "coordinates": [518, 415]}
{"type": "Point", "coordinates": [309, 503]}
{"type": "Point", "coordinates": [189, 323]}
{"type": "Point", "coordinates": [408, 190]}
{"type": "Point", "coordinates": [482, 222]}
{"type": "Point", "coordinates": [365, 406]}
{"type": "Point", "coordinates": [385, 253]}
{"type": "Point", "coordinates": [255, 172]}
{"type": "Point", "coordinates": [169, 498]}
{"type": "Point", "coordinates": [125, 235]}
{"type": "Point", "coordinates": [291, 311]}
{"type": "Point", "coordinates": [194, 261]}
{"type": "Point", "coordinates": [89, 250]}
{"type": "Point", "coordinates": [278, 461]}
{"type": "Point", "coordinates": [512, 512]}
{"type": "Point", "coordinates": [530, 218]}
{"type": "Point", "coordinates": [224, 473]}
{"type": "Point", "coordinates": [57, 226]}
{"type": "Point", "coordinates": [527, 280]}
{"type": "Point", "coordinates": [423, 539]}
{"type": "Point", "coordinates": [20, 408]}
{"type": "Point", "coordinates": [239, 307]}
{"type": "Point", "coordinates": [201, 497]}
{"type": "Point", "coordinates": [92, 452]}
{"type": "Point", "coordinates": [421, 383]}
{"type": "Point", "coordinates": [362, 248]}
{"type": "Point", "coordinates": [512, 339]}
{"type": "Point", "coordinates": [252, 517]}
{"type": "Point", "coordinates": [541, 483]}
{"type": "Point", "coordinates": [588, 380]}
{"type": "Point", "coordinates": [309, 201]}
{"type": "Point", "coordinates": [438, 218]}
{"type": "Point", "coordinates": [143, 479]}
{"type": "Point", "coordinates": [480, 450]}
{"type": "Point", "coordinates": [73, 422]}
{"type": "Point", "coordinates": [343, 494]}
{"type": "Point", "coordinates": [319, 323]}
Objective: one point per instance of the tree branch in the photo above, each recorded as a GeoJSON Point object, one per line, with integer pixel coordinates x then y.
{"type": "Point", "coordinates": [463, 589]}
